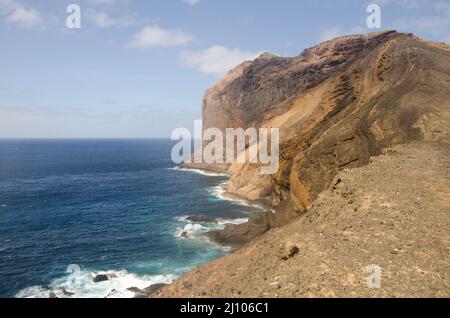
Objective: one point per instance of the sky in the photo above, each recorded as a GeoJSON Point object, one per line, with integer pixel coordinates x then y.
{"type": "Point", "coordinates": [138, 69]}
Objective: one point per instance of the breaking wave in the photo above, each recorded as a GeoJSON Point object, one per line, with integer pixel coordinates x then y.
{"type": "Point", "coordinates": [80, 284]}
{"type": "Point", "coordinates": [202, 172]}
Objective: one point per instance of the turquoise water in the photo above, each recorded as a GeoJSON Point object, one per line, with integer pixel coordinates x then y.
{"type": "Point", "coordinates": [74, 208]}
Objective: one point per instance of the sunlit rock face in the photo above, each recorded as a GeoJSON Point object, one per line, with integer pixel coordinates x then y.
{"type": "Point", "coordinates": [336, 105]}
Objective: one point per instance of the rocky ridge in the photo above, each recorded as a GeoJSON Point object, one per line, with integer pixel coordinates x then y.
{"type": "Point", "coordinates": [337, 104]}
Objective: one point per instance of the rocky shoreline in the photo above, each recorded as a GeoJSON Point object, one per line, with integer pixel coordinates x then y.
{"type": "Point", "coordinates": [369, 215]}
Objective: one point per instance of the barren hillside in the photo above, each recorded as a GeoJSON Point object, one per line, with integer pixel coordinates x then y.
{"type": "Point", "coordinates": [393, 213]}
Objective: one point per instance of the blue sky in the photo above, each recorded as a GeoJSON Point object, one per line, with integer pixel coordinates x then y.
{"type": "Point", "coordinates": [138, 69]}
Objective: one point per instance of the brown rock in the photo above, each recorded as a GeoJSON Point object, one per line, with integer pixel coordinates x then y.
{"type": "Point", "coordinates": [236, 235]}
{"type": "Point", "coordinates": [147, 292]}
{"type": "Point", "coordinates": [289, 250]}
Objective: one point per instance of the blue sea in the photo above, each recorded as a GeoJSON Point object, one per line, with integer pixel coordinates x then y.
{"type": "Point", "coordinates": [71, 209]}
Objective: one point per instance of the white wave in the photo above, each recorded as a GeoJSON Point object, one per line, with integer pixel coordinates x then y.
{"type": "Point", "coordinates": [191, 230]}
{"type": "Point", "coordinates": [182, 218]}
{"type": "Point", "coordinates": [232, 221]}
{"type": "Point", "coordinates": [202, 172]}
{"type": "Point", "coordinates": [220, 221]}
{"type": "Point", "coordinates": [4, 205]}
{"type": "Point", "coordinates": [80, 284]}
{"type": "Point", "coordinates": [220, 192]}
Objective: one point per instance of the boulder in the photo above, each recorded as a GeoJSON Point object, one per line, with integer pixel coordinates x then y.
{"type": "Point", "coordinates": [100, 278]}
{"type": "Point", "coordinates": [289, 250]}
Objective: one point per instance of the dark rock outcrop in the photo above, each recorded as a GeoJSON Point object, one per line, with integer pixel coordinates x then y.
{"type": "Point", "coordinates": [236, 235]}
{"type": "Point", "coordinates": [100, 278]}
{"type": "Point", "coordinates": [147, 292]}
{"type": "Point", "coordinates": [201, 219]}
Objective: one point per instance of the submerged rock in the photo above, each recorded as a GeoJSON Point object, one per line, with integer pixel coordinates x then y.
{"type": "Point", "coordinates": [134, 290]}
{"type": "Point", "coordinates": [201, 219]}
{"type": "Point", "coordinates": [66, 292]}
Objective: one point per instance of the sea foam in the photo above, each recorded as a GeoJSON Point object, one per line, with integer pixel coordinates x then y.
{"type": "Point", "coordinates": [195, 230]}
{"type": "Point", "coordinates": [80, 284]}
{"type": "Point", "coordinates": [220, 192]}
{"type": "Point", "coordinates": [202, 172]}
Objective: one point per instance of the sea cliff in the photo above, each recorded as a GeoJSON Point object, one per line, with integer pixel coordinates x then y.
{"type": "Point", "coordinates": [338, 105]}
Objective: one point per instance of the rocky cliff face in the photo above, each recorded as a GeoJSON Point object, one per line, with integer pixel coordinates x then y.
{"type": "Point", "coordinates": [336, 104]}
{"type": "Point", "coordinates": [378, 104]}
{"type": "Point", "coordinates": [392, 213]}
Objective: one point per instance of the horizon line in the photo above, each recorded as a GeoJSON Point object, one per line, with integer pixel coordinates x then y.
{"type": "Point", "coordinates": [88, 138]}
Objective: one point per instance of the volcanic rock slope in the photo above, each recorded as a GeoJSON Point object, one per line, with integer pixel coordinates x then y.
{"type": "Point", "coordinates": [364, 174]}
{"type": "Point", "coordinates": [337, 104]}
{"type": "Point", "coordinates": [392, 214]}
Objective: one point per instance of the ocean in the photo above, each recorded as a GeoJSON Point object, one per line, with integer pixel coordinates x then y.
{"type": "Point", "coordinates": [71, 209]}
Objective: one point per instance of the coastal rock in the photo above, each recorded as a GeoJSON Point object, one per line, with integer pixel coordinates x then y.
{"type": "Point", "coordinates": [201, 219]}
{"type": "Point", "coordinates": [236, 235]}
{"type": "Point", "coordinates": [100, 278]}
{"type": "Point", "coordinates": [112, 293]}
{"type": "Point", "coordinates": [66, 292]}
{"type": "Point", "coordinates": [147, 292]}
{"type": "Point", "coordinates": [134, 290]}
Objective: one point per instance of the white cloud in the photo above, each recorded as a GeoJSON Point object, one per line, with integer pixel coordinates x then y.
{"type": "Point", "coordinates": [7, 5]}
{"type": "Point", "coordinates": [191, 2]}
{"type": "Point", "coordinates": [104, 20]}
{"type": "Point", "coordinates": [155, 36]}
{"type": "Point", "coordinates": [437, 24]}
{"type": "Point", "coordinates": [410, 4]}
{"type": "Point", "coordinates": [434, 25]}
{"type": "Point", "coordinates": [331, 33]}
{"type": "Point", "coordinates": [26, 17]}
{"type": "Point", "coordinates": [216, 60]}
{"type": "Point", "coordinates": [20, 15]}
